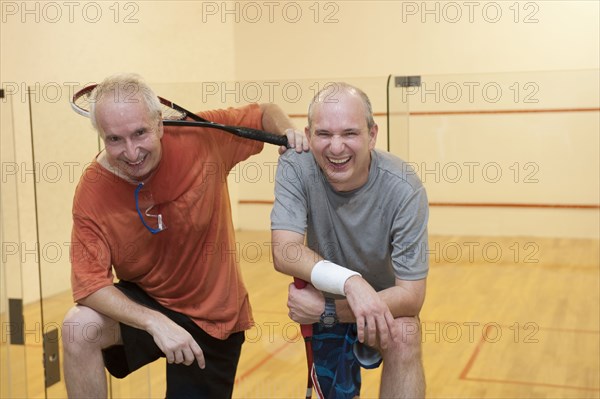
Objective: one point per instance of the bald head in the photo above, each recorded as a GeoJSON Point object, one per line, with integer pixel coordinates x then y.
{"type": "Point", "coordinates": [333, 93]}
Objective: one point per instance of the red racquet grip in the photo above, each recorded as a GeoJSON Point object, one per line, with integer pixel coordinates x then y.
{"type": "Point", "coordinates": [305, 329]}
{"type": "Point", "coordinates": [299, 283]}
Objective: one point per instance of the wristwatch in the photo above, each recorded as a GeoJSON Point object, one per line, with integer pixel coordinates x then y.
{"type": "Point", "coordinates": [329, 316]}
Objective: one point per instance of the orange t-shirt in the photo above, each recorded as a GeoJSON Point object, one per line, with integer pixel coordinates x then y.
{"type": "Point", "coordinates": [191, 266]}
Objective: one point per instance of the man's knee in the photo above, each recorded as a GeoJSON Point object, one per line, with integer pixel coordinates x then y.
{"type": "Point", "coordinates": [410, 330]}
{"type": "Point", "coordinates": [407, 346]}
{"type": "Point", "coordinates": [84, 327]}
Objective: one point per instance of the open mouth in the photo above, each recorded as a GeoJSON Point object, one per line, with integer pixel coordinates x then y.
{"type": "Point", "coordinates": [136, 164]}
{"type": "Point", "coordinates": [339, 161]}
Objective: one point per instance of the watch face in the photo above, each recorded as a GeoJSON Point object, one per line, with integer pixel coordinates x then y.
{"type": "Point", "coordinates": [329, 317]}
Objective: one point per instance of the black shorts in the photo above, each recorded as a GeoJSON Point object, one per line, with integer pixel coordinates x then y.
{"type": "Point", "coordinates": [214, 381]}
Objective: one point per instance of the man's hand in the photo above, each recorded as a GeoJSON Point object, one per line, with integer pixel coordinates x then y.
{"type": "Point", "coordinates": [296, 140]}
{"type": "Point", "coordinates": [306, 304]}
{"type": "Point", "coordinates": [374, 321]}
{"type": "Point", "coordinates": [176, 343]}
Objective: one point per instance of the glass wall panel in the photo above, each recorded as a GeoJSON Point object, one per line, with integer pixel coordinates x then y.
{"type": "Point", "coordinates": [489, 146]}
{"type": "Point", "coordinates": [63, 145]}
{"type": "Point", "coordinates": [13, 363]}
{"type": "Point", "coordinates": [511, 164]}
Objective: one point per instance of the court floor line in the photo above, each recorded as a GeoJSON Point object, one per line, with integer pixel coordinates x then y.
{"type": "Point", "coordinates": [265, 359]}
{"type": "Point", "coordinates": [464, 375]}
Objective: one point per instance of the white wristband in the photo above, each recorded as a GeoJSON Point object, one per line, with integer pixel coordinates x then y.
{"type": "Point", "coordinates": [328, 277]}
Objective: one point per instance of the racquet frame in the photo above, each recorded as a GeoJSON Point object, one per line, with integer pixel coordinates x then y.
{"type": "Point", "coordinates": [179, 116]}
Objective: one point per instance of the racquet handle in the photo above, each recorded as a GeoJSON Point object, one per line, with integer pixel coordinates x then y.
{"type": "Point", "coordinates": [305, 329]}
{"type": "Point", "coordinates": [245, 132]}
{"type": "Point", "coordinates": [299, 283]}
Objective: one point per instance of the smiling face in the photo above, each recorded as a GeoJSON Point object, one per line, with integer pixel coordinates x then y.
{"type": "Point", "coordinates": [131, 135]}
{"type": "Point", "coordinates": [340, 139]}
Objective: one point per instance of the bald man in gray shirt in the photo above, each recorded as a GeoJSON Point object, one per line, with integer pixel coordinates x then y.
{"type": "Point", "coordinates": [352, 221]}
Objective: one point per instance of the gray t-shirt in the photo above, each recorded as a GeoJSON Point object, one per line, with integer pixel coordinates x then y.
{"type": "Point", "coordinates": [378, 230]}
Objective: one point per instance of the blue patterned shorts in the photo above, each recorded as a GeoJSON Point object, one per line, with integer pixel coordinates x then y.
{"type": "Point", "coordinates": [338, 369]}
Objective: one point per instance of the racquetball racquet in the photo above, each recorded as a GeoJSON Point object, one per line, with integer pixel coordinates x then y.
{"type": "Point", "coordinates": [175, 115]}
{"type": "Point", "coordinates": [306, 330]}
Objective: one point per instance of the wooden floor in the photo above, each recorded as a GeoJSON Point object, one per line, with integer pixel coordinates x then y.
{"type": "Point", "coordinates": [503, 318]}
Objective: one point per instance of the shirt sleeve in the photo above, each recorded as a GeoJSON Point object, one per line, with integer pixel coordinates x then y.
{"type": "Point", "coordinates": [410, 251]}
{"type": "Point", "coordinates": [90, 258]}
{"type": "Point", "coordinates": [291, 203]}
{"type": "Point", "coordinates": [235, 148]}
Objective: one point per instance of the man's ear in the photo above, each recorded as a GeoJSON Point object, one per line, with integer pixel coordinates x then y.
{"type": "Point", "coordinates": [160, 128]}
{"type": "Point", "coordinates": [373, 136]}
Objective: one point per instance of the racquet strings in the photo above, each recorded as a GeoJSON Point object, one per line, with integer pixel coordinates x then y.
{"type": "Point", "coordinates": [171, 114]}
{"type": "Point", "coordinates": [83, 103]}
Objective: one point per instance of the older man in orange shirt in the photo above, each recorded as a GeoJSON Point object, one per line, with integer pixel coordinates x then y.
{"type": "Point", "coordinates": [154, 205]}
